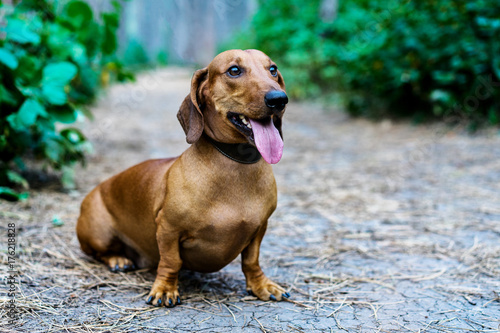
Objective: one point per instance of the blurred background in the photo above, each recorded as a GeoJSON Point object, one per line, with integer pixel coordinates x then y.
{"type": "Point", "coordinates": [420, 61]}
{"type": "Point", "coordinates": [400, 58]}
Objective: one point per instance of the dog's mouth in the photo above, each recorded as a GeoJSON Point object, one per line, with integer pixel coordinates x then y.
{"type": "Point", "coordinates": [242, 124]}
{"type": "Point", "coordinates": [260, 132]}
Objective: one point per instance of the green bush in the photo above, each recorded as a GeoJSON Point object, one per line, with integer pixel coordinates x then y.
{"type": "Point", "coordinates": [424, 59]}
{"type": "Point", "coordinates": [53, 60]}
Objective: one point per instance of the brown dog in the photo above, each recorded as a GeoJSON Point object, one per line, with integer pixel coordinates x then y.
{"type": "Point", "coordinates": [202, 209]}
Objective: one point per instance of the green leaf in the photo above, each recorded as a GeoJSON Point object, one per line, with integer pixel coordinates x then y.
{"type": "Point", "coordinates": [441, 96]}
{"type": "Point", "coordinates": [55, 77]}
{"type": "Point", "coordinates": [8, 59]}
{"type": "Point", "coordinates": [16, 178]}
{"type": "Point", "coordinates": [116, 5]}
{"type": "Point", "coordinates": [79, 12]}
{"type": "Point", "coordinates": [54, 150]}
{"type": "Point", "coordinates": [68, 177]}
{"type": "Point", "coordinates": [14, 122]}
{"type": "Point", "coordinates": [64, 114]}
{"type": "Point", "coordinates": [87, 113]}
{"type": "Point", "coordinates": [60, 40]}
{"type": "Point", "coordinates": [443, 77]}
{"type": "Point", "coordinates": [29, 111]}
{"type": "Point", "coordinates": [57, 221]}
{"type": "Point", "coordinates": [3, 142]}
{"type": "Point", "coordinates": [6, 96]}
{"type": "Point", "coordinates": [19, 163]}
{"type": "Point", "coordinates": [79, 54]}
{"type": "Point", "coordinates": [20, 32]}
{"type": "Point", "coordinates": [109, 43]}
{"type": "Point", "coordinates": [27, 114]}
{"type": "Point", "coordinates": [73, 135]}
{"type": "Point", "coordinates": [61, 72]}
{"type": "Point", "coordinates": [28, 70]}
{"type": "Point", "coordinates": [28, 92]}
{"type": "Point", "coordinates": [111, 20]}
{"type": "Point", "coordinates": [54, 94]}
{"type": "Point", "coordinates": [11, 195]}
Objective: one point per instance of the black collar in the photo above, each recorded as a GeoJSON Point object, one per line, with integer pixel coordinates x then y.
{"type": "Point", "coordinates": [244, 153]}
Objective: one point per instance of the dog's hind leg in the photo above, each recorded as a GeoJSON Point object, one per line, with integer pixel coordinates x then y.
{"type": "Point", "coordinates": [98, 238]}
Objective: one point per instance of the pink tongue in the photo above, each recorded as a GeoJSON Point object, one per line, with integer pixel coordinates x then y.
{"type": "Point", "coordinates": [268, 140]}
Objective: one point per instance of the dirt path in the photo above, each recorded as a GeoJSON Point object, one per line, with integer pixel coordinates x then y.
{"type": "Point", "coordinates": [380, 227]}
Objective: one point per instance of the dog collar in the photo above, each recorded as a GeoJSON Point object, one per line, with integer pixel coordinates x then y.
{"type": "Point", "coordinates": [244, 153]}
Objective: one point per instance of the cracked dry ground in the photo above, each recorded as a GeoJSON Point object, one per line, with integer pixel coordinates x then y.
{"type": "Point", "coordinates": [380, 227]}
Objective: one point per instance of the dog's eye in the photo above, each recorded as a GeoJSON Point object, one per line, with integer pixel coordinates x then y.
{"type": "Point", "coordinates": [274, 70]}
{"type": "Point", "coordinates": [234, 71]}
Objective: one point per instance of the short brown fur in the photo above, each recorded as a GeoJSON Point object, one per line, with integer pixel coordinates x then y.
{"type": "Point", "coordinates": [200, 210]}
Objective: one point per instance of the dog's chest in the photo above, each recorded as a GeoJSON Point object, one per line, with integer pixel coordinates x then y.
{"type": "Point", "coordinates": [233, 223]}
{"type": "Point", "coordinates": [219, 236]}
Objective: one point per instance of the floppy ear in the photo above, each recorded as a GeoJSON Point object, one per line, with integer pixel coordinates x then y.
{"type": "Point", "coordinates": [190, 115]}
{"type": "Point", "coordinates": [281, 81]}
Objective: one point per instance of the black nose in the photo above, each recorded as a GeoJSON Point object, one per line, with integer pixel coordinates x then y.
{"type": "Point", "coordinates": [276, 100]}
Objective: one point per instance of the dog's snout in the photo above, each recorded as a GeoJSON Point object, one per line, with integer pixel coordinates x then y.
{"type": "Point", "coordinates": [276, 100]}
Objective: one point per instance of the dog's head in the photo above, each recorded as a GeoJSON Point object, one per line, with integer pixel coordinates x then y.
{"type": "Point", "coordinates": [239, 97]}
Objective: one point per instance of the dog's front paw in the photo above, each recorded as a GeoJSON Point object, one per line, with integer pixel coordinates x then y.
{"type": "Point", "coordinates": [266, 290]}
{"type": "Point", "coordinates": [163, 295]}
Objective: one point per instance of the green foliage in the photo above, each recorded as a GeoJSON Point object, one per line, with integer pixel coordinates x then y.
{"type": "Point", "coordinates": [135, 55]}
{"type": "Point", "coordinates": [424, 59]}
{"type": "Point", "coordinates": [53, 60]}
